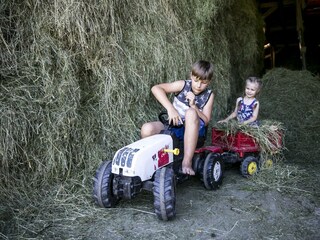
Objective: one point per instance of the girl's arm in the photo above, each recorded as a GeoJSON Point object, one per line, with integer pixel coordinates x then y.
{"type": "Point", "coordinates": [254, 114]}
{"type": "Point", "coordinates": [233, 114]}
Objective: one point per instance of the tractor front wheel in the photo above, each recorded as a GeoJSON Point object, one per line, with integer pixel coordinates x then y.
{"type": "Point", "coordinates": [164, 192]}
{"type": "Point", "coordinates": [103, 186]}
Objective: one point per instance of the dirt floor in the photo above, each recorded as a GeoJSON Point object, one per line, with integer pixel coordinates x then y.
{"type": "Point", "coordinates": [240, 209]}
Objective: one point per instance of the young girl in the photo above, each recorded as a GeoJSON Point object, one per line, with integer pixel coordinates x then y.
{"type": "Point", "coordinates": [247, 107]}
{"type": "Point", "coordinates": [192, 107]}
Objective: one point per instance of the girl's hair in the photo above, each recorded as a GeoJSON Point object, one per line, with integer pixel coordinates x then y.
{"type": "Point", "coordinates": [255, 80]}
{"type": "Point", "coordinates": [203, 70]}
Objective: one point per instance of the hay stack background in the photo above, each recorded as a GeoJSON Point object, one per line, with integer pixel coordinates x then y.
{"type": "Point", "coordinates": [75, 79]}
{"type": "Point", "coordinates": [76, 75]}
{"type": "Point", "coordinates": [293, 98]}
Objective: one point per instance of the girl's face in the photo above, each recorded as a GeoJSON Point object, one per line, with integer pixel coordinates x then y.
{"type": "Point", "coordinates": [198, 85]}
{"type": "Point", "coordinates": [251, 89]}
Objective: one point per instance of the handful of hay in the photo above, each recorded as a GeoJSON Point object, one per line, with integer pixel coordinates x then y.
{"type": "Point", "coordinates": [269, 135]}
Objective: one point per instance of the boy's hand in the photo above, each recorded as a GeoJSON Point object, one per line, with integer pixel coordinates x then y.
{"type": "Point", "coordinates": [190, 97]}
{"type": "Point", "coordinates": [174, 117]}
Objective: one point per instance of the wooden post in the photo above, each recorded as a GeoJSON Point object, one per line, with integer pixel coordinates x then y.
{"type": "Point", "coordinates": [300, 30]}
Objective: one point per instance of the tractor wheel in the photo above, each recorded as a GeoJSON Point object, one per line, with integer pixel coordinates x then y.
{"type": "Point", "coordinates": [102, 186]}
{"type": "Point", "coordinates": [212, 171]}
{"type": "Point", "coordinates": [164, 192]}
{"type": "Point", "coordinates": [197, 163]}
{"type": "Point", "coordinates": [249, 166]}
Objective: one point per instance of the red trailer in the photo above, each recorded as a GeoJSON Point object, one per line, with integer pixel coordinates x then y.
{"type": "Point", "coordinates": [232, 148]}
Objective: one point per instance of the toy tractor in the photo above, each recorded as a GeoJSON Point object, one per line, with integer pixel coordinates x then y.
{"type": "Point", "coordinates": [154, 164]}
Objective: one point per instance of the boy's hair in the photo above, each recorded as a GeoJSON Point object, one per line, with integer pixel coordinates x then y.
{"type": "Point", "coordinates": [203, 70]}
{"type": "Point", "coordinates": [255, 80]}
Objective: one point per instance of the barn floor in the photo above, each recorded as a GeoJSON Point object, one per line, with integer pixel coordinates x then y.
{"type": "Point", "coordinates": [240, 209]}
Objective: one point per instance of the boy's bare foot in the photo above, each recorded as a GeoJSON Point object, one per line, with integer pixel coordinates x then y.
{"type": "Point", "coordinates": [188, 171]}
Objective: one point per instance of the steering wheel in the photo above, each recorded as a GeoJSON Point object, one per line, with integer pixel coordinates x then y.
{"type": "Point", "coordinates": [163, 117]}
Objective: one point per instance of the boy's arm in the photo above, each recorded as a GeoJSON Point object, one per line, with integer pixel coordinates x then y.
{"type": "Point", "coordinates": [160, 92]}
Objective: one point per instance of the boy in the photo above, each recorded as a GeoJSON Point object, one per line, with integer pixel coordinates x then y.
{"type": "Point", "coordinates": [192, 107]}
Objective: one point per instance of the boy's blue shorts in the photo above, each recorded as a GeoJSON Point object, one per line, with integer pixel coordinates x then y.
{"type": "Point", "coordinates": [179, 131]}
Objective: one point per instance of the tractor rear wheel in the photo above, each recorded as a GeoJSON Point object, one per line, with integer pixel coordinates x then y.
{"type": "Point", "coordinates": [164, 192]}
{"type": "Point", "coordinates": [212, 171]}
{"type": "Point", "coordinates": [197, 163]}
{"type": "Point", "coordinates": [103, 186]}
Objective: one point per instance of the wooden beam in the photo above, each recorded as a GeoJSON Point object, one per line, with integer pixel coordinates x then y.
{"type": "Point", "coordinates": [280, 28]}
{"type": "Point", "coordinates": [269, 12]}
{"type": "Point", "coordinates": [300, 30]}
{"type": "Point", "coordinates": [275, 4]}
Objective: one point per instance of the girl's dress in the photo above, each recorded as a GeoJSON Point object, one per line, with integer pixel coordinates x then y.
{"type": "Point", "coordinates": [245, 111]}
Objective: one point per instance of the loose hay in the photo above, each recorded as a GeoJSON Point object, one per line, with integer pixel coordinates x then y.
{"type": "Point", "coordinates": [281, 177]}
{"type": "Point", "coordinates": [269, 136]}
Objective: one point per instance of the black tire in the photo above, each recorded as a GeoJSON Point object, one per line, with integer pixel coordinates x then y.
{"type": "Point", "coordinates": [212, 171]}
{"type": "Point", "coordinates": [163, 118]}
{"type": "Point", "coordinates": [164, 192]}
{"type": "Point", "coordinates": [197, 163]}
{"type": "Point", "coordinates": [249, 166]}
{"type": "Point", "coordinates": [103, 186]}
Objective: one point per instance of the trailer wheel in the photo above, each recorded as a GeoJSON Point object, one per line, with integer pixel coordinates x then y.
{"type": "Point", "coordinates": [268, 163]}
{"type": "Point", "coordinates": [164, 192]}
{"type": "Point", "coordinates": [249, 166]}
{"type": "Point", "coordinates": [212, 171]}
{"type": "Point", "coordinates": [102, 186]}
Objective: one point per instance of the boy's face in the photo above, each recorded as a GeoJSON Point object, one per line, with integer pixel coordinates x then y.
{"type": "Point", "coordinates": [199, 85]}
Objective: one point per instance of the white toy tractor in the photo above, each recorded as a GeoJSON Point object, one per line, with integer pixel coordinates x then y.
{"type": "Point", "coordinates": [153, 164]}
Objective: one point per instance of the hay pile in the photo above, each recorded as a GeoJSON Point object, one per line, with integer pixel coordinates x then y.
{"type": "Point", "coordinates": [76, 75]}
{"type": "Point", "coordinates": [293, 98]}
{"type": "Point", "coordinates": [75, 79]}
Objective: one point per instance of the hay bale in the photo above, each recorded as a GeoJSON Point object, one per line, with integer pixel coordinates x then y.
{"type": "Point", "coordinates": [293, 98]}
{"type": "Point", "coordinates": [76, 76]}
